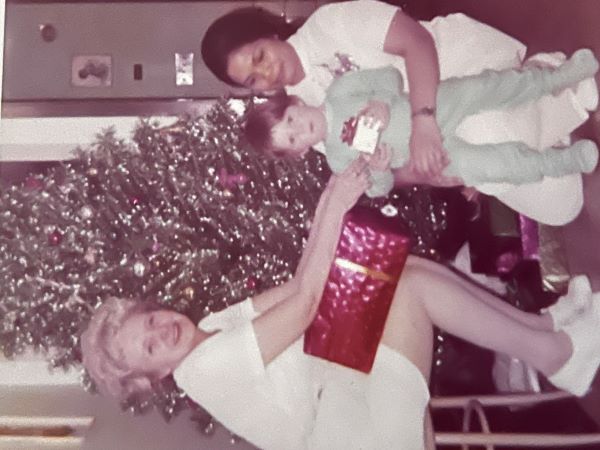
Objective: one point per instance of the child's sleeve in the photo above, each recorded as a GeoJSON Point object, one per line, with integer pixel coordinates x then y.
{"type": "Point", "coordinates": [339, 157]}
{"type": "Point", "coordinates": [378, 83]}
{"type": "Point", "coordinates": [382, 182]}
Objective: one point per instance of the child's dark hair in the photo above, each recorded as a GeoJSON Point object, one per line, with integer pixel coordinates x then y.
{"type": "Point", "coordinates": [236, 29]}
{"type": "Point", "coordinates": [261, 119]}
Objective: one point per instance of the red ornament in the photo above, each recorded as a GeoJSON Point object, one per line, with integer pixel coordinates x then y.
{"type": "Point", "coordinates": [349, 130]}
{"type": "Point", "coordinates": [55, 238]}
{"type": "Point", "coordinates": [251, 283]}
{"type": "Point", "coordinates": [33, 184]}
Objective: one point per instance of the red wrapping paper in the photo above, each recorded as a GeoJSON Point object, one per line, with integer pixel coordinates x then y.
{"type": "Point", "coordinates": [358, 294]}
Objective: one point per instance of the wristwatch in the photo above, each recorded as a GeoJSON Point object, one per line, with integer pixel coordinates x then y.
{"type": "Point", "coordinates": [424, 111]}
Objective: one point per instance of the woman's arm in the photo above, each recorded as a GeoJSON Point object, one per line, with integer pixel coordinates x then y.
{"type": "Point", "coordinates": [404, 176]}
{"type": "Point", "coordinates": [284, 322]}
{"type": "Point", "coordinates": [266, 300]}
{"type": "Point", "coordinates": [407, 38]}
{"type": "Point", "coordinates": [429, 432]}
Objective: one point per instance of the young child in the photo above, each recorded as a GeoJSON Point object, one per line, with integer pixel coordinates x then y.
{"type": "Point", "coordinates": [285, 126]}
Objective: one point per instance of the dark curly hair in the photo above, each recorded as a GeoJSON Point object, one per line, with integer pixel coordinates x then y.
{"type": "Point", "coordinates": [238, 28]}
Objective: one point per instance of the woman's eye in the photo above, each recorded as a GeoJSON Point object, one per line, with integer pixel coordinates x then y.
{"type": "Point", "coordinates": [150, 349]}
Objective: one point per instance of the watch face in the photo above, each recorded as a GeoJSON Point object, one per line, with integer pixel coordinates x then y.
{"type": "Point", "coordinates": [425, 111]}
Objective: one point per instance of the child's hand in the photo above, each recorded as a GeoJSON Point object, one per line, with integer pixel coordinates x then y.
{"type": "Point", "coordinates": [381, 158]}
{"type": "Point", "coordinates": [427, 154]}
{"type": "Point", "coordinates": [376, 111]}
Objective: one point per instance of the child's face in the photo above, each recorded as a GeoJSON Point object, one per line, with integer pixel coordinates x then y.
{"type": "Point", "coordinates": [300, 128]}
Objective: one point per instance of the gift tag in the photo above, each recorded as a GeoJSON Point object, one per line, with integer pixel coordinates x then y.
{"type": "Point", "coordinates": [366, 136]}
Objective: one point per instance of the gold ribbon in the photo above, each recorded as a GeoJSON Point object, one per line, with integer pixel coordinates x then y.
{"type": "Point", "coordinates": [349, 265]}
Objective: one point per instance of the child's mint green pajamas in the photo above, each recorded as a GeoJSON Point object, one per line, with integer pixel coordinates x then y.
{"type": "Point", "coordinates": [511, 162]}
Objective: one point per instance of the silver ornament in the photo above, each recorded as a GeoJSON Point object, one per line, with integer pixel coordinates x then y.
{"type": "Point", "coordinates": [86, 212]}
{"type": "Point", "coordinates": [139, 269]}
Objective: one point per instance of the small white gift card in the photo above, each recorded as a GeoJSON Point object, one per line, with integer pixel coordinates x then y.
{"type": "Point", "coordinates": [366, 137]}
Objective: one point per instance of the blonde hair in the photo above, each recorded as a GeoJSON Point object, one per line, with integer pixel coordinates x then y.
{"type": "Point", "coordinates": [102, 357]}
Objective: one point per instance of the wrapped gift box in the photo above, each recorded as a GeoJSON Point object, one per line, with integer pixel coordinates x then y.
{"type": "Point", "coordinates": [495, 239]}
{"type": "Point", "coordinates": [357, 297]}
{"type": "Point", "coordinates": [500, 238]}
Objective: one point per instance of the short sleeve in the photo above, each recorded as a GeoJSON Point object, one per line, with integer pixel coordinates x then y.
{"type": "Point", "coordinates": [230, 317]}
{"type": "Point", "coordinates": [225, 375]}
{"type": "Point", "coordinates": [354, 29]}
{"type": "Point", "coordinates": [360, 24]}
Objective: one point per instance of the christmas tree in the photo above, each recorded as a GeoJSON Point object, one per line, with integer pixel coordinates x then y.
{"type": "Point", "coordinates": [187, 216]}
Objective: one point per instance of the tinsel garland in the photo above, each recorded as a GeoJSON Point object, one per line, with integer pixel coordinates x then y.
{"type": "Point", "coordinates": [186, 216]}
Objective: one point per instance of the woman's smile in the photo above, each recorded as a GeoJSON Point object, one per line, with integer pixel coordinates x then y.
{"type": "Point", "coordinates": [157, 340]}
{"type": "Point", "coordinates": [264, 65]}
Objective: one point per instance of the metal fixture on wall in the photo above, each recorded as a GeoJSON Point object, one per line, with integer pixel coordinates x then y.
{"type": "Point", "coordinates": [93, 57]}
{"type": "Point", "coordinates": [48, 32]}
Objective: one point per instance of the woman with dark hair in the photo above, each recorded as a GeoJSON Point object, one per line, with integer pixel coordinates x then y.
{"type": "Point", "coordinates": [243, 25]}
{"type": "Point", "coordinates": [246, 367]}
{"type": "Point", "coordinates": [259, 50]}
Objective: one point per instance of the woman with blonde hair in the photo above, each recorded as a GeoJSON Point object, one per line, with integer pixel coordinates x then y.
{"type": "Point", "coordinates": [246, 367]}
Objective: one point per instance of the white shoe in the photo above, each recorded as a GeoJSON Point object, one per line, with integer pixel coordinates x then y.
{"type": "Point", "coordinates": [577, 301]}
{"type": "Point", "coordinates": [577, 374]}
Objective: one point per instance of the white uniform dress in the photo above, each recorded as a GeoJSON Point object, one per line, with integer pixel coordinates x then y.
{"type": "Point", "coordinates": [298, 401]}
{"type": "Point", "coordinates": [350, 35]}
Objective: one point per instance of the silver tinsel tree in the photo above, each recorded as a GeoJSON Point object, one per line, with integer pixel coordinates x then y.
{"type": "Point", "coordinates": [185, 216]}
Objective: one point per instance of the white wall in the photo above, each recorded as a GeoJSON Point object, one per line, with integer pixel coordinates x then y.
{"type": "Point", "coordinates": [32, 370]}
{"type": "Point", "coordinates": [53, 139]}
{"type": "Point", "coordinates": [147, 33]}
{"type": "Point", "coordinates": [130, 33]}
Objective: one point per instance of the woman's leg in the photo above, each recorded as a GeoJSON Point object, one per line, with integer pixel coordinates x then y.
{"type": "Point", "coordinates": [539, 322]}
{"type": "Point", "coordinates": [425, 297]}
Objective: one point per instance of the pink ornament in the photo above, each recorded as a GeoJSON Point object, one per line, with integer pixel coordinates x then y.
{"type": "Point", "coordinates": [55, 238]}
{"type": "Point", "coordinates": [507, 261]}
{"type": "Point", "coordinates": [230, 181]}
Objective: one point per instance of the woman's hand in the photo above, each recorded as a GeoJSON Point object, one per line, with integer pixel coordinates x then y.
{"type": "Point", "coordinates": [349, 185]}
{"type": "Point", "coordinates": [376, 111]}
{"type": "Point", "coordinates": [427, 154]}
{"type": "Point", "coordinates": [404, 176]}
{"type": "Point", "coordinates": [381, 158]}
